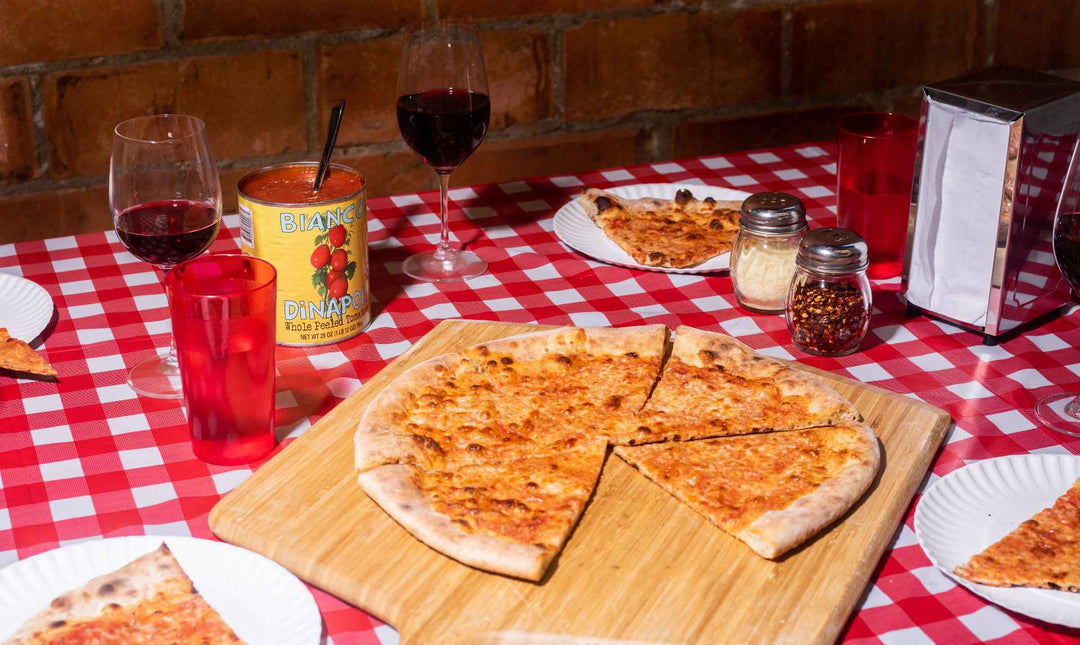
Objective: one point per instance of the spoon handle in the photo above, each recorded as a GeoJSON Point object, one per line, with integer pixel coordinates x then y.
{"type": "Point", "coordinates": [331, 138]}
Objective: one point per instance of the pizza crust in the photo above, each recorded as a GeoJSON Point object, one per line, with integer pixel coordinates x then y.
{"type": "Point", "coordinates": [828, 405]}
{"type": "Point", "coordinates": [393, 489]}
{"type": "Point", "coordinates": [779, 531]}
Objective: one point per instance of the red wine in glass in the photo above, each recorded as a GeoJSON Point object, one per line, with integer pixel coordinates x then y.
{"type": "Point", "coordinates": [1067, 248]}
{"type": "Point", "coordinates": [166, 233]}
{"type": "Point", "coordinates": [444, 126]}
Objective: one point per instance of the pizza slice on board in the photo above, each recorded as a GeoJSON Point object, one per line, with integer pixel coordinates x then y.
{"type": "Point", "coordinates": [511, 517]}
{"type": "Point", "coordinates": [17, 356]}
{"type": "Point", "coordinates": [714, 386]}
{"type": "Point", "coordinates": [669, 233]}
{"type": "Point", "coordinates": [1043, 552]}
{"type": "Point", "coordinates": [148, 600]}
{"type": "Point", "coordinates": [773, 491]}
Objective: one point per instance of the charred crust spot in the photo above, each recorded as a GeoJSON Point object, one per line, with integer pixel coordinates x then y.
{"type": "Point", "coordinates": [715, 225]}
{"type": "Point", "coordinates": [631, 442]}
{"type": "Point", "coordinates": [530, 485]}
{"type": "Point", "coordinates": [474, 447]}
{"type": "Point", "coordinates": [655, 256]}
{"type": "Point", "coordinates": [565, 360]}
{"type": "Point", "coordinates": [719, 368]}
{"type": "Point", "coordinates": [427, 443]}
{"type": "Point", "coordinates": [644, 429]}
{"type": "Point", "coordinates": [461, 522]}
{"type": "Point", "coordinates": [709, 200]}
{"type": "Point", "coordinates": [57, 623]}
{"type": "Point", "coordinates": [676, 438]}
{"type": "Point", "coordinates": [631, 354]}
{"type": "Point", "coordinates": [602, 203]}
{"type": "Point", "coordinates": [61, 603]}
{"type": "Point", "coordinates": [106, 589]}
{"type": "Point", "coordinates": [757, 358]}
{"type": "Point", "coordinates": [492, 363]}
{"type": "Point", "coordinates": [710, 353]}
{"type": "Point", "coordinates": [506, 360]}
{"type": "Point", "coordinates": [570, 443]}
{"type": "Point", "coordinates": [1052, 585]}
{"type": "Point", "coordinates": [684, 197]}
{"type": "Point", "coordinates": [613, 402]}
{"type": "Point", "coordinates": [114, 606]}
{"type": "Point", "coordinates": [469, 489]}
{"type": "Point", "coordinates": [483, 350]}
{"type": "Point", "coordinates": [451, 385]}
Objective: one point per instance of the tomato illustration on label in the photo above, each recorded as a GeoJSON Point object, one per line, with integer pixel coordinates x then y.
{"type": "Point", "coordinates": [333, 267]}
{"type": "Point", "coordinates": [320, 256]}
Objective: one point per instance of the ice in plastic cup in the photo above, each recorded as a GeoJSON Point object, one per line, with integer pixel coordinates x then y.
{"type": "Point", "coordinates": [875, 166]}
{"type": "Point", "coordinates": [223, 320]}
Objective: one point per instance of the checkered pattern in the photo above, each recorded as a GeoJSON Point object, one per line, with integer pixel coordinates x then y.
{"type": "Point", "coordinates": [85, 457]}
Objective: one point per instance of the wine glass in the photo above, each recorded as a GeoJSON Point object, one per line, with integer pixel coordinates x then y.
{"type": "Point", "coordinates": [1061, 411]}
{"type": "Point", "coordinates": [443, 111]}
{"type": "Point", "coordinates": [165, 198]}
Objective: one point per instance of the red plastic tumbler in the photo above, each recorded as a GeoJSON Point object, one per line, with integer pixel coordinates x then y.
{"type": "Point", "coordinates": [223, 321]}
{"type": "Point", "coordinates": [874, 171]}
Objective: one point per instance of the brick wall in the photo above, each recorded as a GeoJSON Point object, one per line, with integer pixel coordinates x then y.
{"type": "Point", "coordinates": [575, 84]}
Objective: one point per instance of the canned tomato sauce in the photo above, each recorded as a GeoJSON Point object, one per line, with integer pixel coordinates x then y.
{"type": "Point", "coordinates": [317, 243]}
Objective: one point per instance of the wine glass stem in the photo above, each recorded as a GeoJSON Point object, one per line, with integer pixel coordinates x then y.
{"type": "Point", "coordinates": [444, 251]}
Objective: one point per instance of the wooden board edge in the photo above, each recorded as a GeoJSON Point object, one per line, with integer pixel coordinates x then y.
{"type": "Point", "coordinates": [856, 585]}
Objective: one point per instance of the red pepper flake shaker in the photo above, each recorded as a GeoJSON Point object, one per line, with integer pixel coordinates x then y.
{"type": "Point", "coordinates": [828, 306]}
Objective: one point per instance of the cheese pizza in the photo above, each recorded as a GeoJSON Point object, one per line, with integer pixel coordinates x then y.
{"type": "Point", "coordinates": [667, 233]}
{"type": "Point", "coordinates": [17, 356]}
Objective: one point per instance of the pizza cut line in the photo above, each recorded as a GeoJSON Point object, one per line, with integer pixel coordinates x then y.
{"type": "Point", "coordinates": [674, 233]}
{"type": "Point", "coordinates": [148, 600]}
{"type": "Point", "coordinates": [490, 455]}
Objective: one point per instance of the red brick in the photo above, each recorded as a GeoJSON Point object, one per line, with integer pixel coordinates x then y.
{"type": "Point", "coordinates": [549, 155]}
{"type": "Point", "coordinates": [392, 173]}
{"type": "Point", "coordinates": [729, 135]}
{"type": "Point", "coordinates": [35, 216]}
{"type": "Point", "coordinates": [214, 19]}
{"type": "Point", "coordinates": [17, 158]}
{"type": "Point", "coordinates": [1038, 34]}
{"type": "Point", "coordinates": [44, 30]}
{"type": "Point", "coordinates": [365, 75]}
{"type": "Point", "coordinates": [671, 61]}
{"type": "Point", "coordinates": [482, 9]}
{"type": "Point", "coordinates": [853, 45]}
{"type": "Point", "coordinates": [253, 105]}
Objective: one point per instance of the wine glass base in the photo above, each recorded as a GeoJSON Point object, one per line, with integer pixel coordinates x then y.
{"type": "Point", "coordinates": [157, 378]}
{"type": "Point", "coordinates": [1051, 411]}
{"type": "Point", "coordinates": [459, 266]}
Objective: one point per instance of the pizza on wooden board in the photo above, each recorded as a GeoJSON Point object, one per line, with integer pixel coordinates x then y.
{"type": "Point", "coordinates": [149, 600]}
{"type": "Point", "coordinates": [17, 356]}
{"type": "Point", "coordinates": [1043, 551]}
{"type": "Point", "coordinates": [674, 233]}
{"type": "Point", "coordinates": [772, 491]}
{"type": "Point", "coordinates": [489, 455]}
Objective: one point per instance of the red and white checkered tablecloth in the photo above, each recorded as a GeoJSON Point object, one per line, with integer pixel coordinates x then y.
{"type": "Point", "coordinates": [85, 458]}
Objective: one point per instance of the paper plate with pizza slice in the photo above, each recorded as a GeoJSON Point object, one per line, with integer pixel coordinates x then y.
{"type": "Point", "coordinates": [675, 228]}
{"type": "Point", "coordinates": [1008, 529]}
{"type": "Point", "coordinates": [128, 588]}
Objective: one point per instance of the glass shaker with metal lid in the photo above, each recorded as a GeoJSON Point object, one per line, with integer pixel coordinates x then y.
{"type": "Point", "coordinates": [763, 258]}
{"type": "Point", "coordinates": [828, 306]}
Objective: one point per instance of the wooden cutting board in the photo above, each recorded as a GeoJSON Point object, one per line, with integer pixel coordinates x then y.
{"type": "Point", "coordinates": [640, 567]}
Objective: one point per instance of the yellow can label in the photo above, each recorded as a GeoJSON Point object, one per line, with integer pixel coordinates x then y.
{"type": "Point", "coordinates": [320, 253]}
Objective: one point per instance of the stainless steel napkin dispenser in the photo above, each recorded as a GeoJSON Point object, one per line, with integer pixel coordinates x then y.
{"type": "Point", "coordinates": [994, 148]}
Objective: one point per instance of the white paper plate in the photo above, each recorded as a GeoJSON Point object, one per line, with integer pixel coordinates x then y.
{"type": "Point", "coordinates": [25, 307]}
{"type": "Point", "coordinates": [575, 229]}
{"type": "Point", "coordinates": [971, 508]}
{"type": "Point", "coordinates": [257, 597]}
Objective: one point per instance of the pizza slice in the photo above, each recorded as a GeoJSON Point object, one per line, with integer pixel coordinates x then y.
{"type": "Point", "coordinates": [1042, 552]}
{"type": "Point", "coordinates": [148, 600]}
{"type": "Point", "coordinates": [670, 233]}
{"type": "Point", "coordinates": [772, 491]}
{"type": "Point", "coordinates": [511, 517]}
{"type": "Point", "coordinates": [713, 385]}
{"type": "Point", "coordinates": [17, 356]}
{"type": "Point", "coordinates": [525, 395]}
{"type": "Point", "coordinates": [588, 381]}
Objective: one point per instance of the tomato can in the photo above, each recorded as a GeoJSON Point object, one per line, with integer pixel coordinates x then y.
{"type": "Point", "coordinates": [318, 244]}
